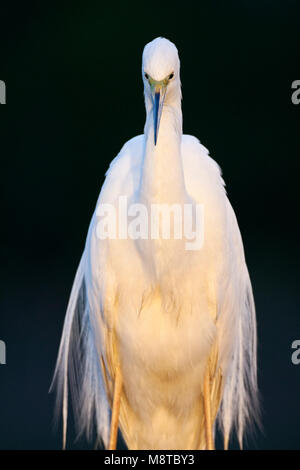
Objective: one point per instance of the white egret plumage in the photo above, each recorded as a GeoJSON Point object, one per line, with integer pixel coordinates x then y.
{"type": "Point", "coordinates": [159, 340]}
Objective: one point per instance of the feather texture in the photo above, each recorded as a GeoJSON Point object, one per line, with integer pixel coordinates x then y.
{"type": "Point", "coordinates": [88, 351]}
{"type": "Point", "coordinates": [161, 313]}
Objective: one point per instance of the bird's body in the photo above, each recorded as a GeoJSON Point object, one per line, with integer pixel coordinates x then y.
{"type": "Point", "coordinates": [161, 314]}
{"type": "Point", "coordinates": [165, 305]}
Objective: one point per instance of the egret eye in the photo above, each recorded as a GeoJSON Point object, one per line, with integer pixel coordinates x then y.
{"type": "Point", "coordinates": [171, 76]}
{"type": "Point", "coordinates": [146, 76]}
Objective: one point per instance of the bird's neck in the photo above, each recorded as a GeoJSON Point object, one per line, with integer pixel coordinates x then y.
{"type": "Point", "coordinates": [162, 178]}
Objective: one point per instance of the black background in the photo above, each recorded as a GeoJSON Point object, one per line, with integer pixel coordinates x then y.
{"type": "Point", "coordinates": [74, 96]}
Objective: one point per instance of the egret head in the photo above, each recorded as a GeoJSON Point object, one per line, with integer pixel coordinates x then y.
{"type": "Point", "coordinates": [161, 78]}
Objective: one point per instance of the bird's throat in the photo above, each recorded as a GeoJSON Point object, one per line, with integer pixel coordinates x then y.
{"type": "Point", "coordinates": [162, 177]}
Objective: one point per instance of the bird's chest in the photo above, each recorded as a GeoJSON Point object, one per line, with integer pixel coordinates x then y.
{"type": "Point", "coordinates": [166, 335]}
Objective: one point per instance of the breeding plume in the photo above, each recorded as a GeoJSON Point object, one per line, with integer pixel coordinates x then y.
{"type": "Point", "coordinates": [159, 339]}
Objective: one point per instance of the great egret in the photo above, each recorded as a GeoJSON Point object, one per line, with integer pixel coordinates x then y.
{"type": "Point", "coordinates": [159, 340]}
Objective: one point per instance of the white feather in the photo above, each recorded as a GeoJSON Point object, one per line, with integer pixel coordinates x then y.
{"type": "Point", "coordinates": [163, 306]}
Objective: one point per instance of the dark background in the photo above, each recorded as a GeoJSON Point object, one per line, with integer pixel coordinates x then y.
{"type": "Point", "coordinates": [74, 96]}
